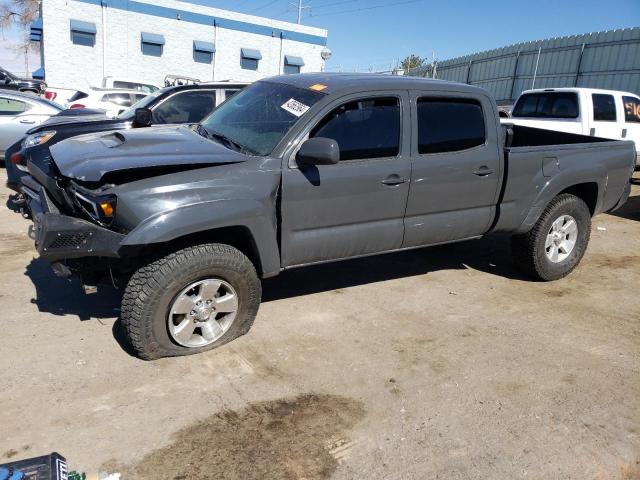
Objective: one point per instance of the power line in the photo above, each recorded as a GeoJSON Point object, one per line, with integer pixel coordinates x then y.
{"type": "Point", "coordinates": [367, 8]}
{"type": "Point", "coordinates": [268, 4]}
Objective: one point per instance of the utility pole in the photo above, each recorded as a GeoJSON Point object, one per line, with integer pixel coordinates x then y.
{"type": "Point", "coordinates": [300, 7]}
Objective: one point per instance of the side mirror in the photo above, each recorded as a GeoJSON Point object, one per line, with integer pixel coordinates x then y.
{"type": "Point", "coordinates": [319, 151]}
{"type": "Point", "coordinates": [142, 117]}
{"type": "Point", "coordinates": [7, 81]}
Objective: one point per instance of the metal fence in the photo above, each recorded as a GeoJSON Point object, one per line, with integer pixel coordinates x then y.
{"type": "Point", "coordinates": [608, 60]}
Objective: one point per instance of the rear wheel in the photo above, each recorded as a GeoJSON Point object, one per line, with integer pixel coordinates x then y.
{"type": "Point", "coordinates": [190, 301]}
{"type": "Point", "coordinates": [557, 242]}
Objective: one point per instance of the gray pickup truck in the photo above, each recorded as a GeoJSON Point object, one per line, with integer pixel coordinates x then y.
{"type": "Point", "coordinates": [303, 169]}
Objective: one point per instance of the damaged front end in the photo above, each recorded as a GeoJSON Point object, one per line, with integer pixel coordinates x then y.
{"type": "Point", "coordinates": [96, 189]}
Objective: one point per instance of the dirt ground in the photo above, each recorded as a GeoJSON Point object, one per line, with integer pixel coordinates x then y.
{"type": "Point", "coordinates": [437, 363]}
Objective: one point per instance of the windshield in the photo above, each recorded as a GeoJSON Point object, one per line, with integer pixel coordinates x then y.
{"type": "Point", "coordinates": [130, 112]}
{"type": "Point", "coordinates": [259, 116]}
{"type": "Point", "coordinates": [8, 74]}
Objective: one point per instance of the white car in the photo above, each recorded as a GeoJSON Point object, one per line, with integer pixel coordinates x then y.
{"type": "Point", "coordinates": [20, 112]}
{"type": "Point", "coordinates": [112, 101]}
{"type": "Point", "coordinates": [110, 82]}
{"type": "Point", "coordinates": [585, 111]}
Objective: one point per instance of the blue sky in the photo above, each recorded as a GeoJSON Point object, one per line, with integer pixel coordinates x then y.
{"type": "Point", "coordinates": [449, 28]}
{"type": "Point", "coordinates": [362, 37]}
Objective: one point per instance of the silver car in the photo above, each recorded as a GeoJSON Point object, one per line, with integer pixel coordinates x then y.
{"type": "Point", "coordinates": [18, 113]}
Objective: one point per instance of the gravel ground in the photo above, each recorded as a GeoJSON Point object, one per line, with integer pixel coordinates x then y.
{"type": "Point", "coordinates": [436, 363]}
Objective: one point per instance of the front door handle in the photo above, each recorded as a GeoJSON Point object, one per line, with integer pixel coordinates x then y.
{"type": "Point", "coordinates": [393, 180]}
{"type": "Point", "coordinates": [483, 171]}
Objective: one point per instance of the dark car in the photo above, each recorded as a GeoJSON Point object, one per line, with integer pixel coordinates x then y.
{"type": "Point", "coordinates": [171, 105]}
{"type": "Point", "coordinates": [9, 81]}
{"type": "Point", "coordinates": [305, 169]}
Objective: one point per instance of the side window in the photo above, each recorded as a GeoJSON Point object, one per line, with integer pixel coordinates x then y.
{"type": "Point", "coordinates": [118, 98]}
{"type": "Point", "coordinates": [604, 108]}
{"type": "Point", "coordinates": [136, 98]}
{"type": "Point", "coordinates": [631, 109]}
{"type": "Point", "coordinates": [10, 107]}
{"type": "Point", "coordinates": [449, 125]}
{"type": "Point", "coordinates": [186, 107]}
{"type": "Point", "coordinates": [368, 128]}
{"type": "Point", "coordinates": [228, 93]}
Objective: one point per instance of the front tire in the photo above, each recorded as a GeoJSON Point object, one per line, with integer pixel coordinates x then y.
{"type": "Point", "coordinates": [557, 242]}
{"type": "Point", "coordinates": [190, 301]}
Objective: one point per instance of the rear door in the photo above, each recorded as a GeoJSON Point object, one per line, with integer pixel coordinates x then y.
{"type": "Point", "coordinates": [355, 207]}
{"type": "Point", "coordinates": [456, 168]}
{"type": "Point", "coordinates": [604, 119]}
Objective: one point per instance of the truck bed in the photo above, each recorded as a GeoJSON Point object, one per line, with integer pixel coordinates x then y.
{"type": "Point", "coordinates": [538, 162]}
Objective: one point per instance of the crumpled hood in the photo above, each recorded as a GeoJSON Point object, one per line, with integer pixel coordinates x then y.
{"type": "Point", "coordinates": [89, 157]}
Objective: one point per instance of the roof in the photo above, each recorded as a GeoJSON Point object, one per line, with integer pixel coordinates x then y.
{"type": "Point", "coordinates": [334, 82]}
{"type": "Point", "coordinates": [16, 94]}
{"type": "Point", "coordinates": [578, 89]}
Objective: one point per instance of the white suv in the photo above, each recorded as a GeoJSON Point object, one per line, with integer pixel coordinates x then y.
{"type": "Point", "coordinates": [112, 101]}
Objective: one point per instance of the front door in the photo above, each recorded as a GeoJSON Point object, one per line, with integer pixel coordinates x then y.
{"type": "Point", "coordinates": [456, 168]}
{"type": "Point", "coordinates": [355, 207]}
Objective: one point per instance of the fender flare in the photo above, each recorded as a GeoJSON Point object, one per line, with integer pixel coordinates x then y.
{"type": "Point", "coordinates": [560, 182]}
{"type": "Point", "coordinates": [202, 217]}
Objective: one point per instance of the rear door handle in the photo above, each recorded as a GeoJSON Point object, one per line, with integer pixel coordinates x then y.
{"type": "Point", "coordinates": [393, 180]}
{"type": "Point", "coordinates": [27, 121]}
{"type": "Point", "coordinates": [483, 171]}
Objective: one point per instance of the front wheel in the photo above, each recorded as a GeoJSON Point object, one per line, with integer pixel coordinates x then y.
{"type": "Point", "coordinates": [190, 301]}
{"type": "Point", "coordinates": [557, 242]}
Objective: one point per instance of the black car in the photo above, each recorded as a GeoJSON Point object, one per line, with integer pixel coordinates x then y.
{"type": "Point", "coordinates": [9, 81]}
{"type": "Point", "coordinates": [171, 105]}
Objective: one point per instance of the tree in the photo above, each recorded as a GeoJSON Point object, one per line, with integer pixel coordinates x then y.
{"type": "Point", "coordinates": [412, 62]}
{"type": "Point", "coordinates": [20, 13]}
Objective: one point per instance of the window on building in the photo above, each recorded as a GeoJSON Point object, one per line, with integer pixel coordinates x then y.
{"type": "Point", "coordinates": [83, 33]}
{"type": "Point", "coordinates": [249, 59]}
{"type": "Point", "coordinates": [11, 107]}
{"type": "Point", "coordinates": [152, 44]}
{"type": "Point", "coordinates": [604, 108]}
{"type": "Point", "coordinates": [203, 52]}
{"type": "Point", "coordinates": [631, 109]}
{"type": "Point", "coordinates": [185, 107]}
{"type": "Point", "coordinates": [449, 125]}
{"type": "Point", "coordinates": [547, 105]}
{"type": "Point", "coordinates": [292, 64]}
{"type": "Point", "coordinates": [367, 128]}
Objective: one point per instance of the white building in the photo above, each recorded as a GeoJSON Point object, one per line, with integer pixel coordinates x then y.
{"type": "Point", "coordinates": [84, 41]}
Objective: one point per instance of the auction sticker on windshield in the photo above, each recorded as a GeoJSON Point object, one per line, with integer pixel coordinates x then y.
{"type": "Point", "coordinates": [296, 108]}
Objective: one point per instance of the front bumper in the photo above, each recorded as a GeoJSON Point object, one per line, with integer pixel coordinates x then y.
{"type": "Point", "coordinates": [61, 237]}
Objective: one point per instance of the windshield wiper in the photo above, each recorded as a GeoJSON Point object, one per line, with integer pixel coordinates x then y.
{"type": "Point", "coordinates": [205, 132]}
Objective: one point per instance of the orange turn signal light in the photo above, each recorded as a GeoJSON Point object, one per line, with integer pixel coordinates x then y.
{"type": "Point", "coordinates": [107, 209]}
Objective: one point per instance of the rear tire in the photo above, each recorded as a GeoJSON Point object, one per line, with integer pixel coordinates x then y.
{"type": "Point", "coordinates": [557, 242]}
{"type": "Point", "coordinates": [155, 292]}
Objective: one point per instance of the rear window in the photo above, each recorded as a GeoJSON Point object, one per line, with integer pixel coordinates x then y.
{"type": "Point", "coordinates": [449, 125]}
{"type": "Point", "coordinates": [547, 105]}
{"type": "Point", "coordinates": [604, 108]}
{"type": "Point", "coordinates": [631, 109]}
